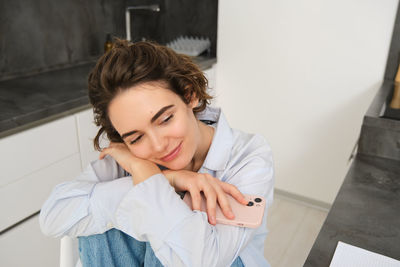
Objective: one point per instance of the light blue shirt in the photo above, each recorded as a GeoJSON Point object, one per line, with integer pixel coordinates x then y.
{"type": "Point", "coordinates": [101, 198]}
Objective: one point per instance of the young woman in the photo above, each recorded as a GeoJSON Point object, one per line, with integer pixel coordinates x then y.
{"type": "Point", "coordinates": [152, 105]}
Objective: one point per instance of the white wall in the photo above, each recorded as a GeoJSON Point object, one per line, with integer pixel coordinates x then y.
{"type": "Point", "coordinates": [302, 73]}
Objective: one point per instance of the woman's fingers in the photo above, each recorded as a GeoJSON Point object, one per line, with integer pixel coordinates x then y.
{"type": "Point", "coordinates": [224, 204]}
{"type": "Point", "coordinates": [222, 198]}
{"type": "Point", "coordinates": [107, 150]}
{"type": "Point", "coordinates": [121, 154]}
{"type": "Point", "coordinates": [196, 199]}
{"type": "Point", "coordinates": [103, 153]}
{"type": "Point", "coordinates": [211, 203]}
{"type": "Point", "coordinates": [214, 191]}
{"type": "Point", "coordinates": [234, 192]}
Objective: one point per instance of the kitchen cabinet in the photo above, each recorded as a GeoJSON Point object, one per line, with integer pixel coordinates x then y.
{"type": "Point", "coordinates": [36, 160]}
{"type": "Point", "coordinates": [25, 196]}
{"type": "Point", "coordinates": [87, 130]}
{"type": "Point", "coordinates": [37, 148]}
{"type": "Point", "coordinates": [25, 245]}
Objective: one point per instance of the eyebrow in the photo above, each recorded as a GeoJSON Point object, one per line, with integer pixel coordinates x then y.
{"type": "Point", "coordinates": [155, 117]}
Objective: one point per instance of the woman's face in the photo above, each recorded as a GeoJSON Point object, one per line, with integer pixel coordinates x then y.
{"type": "Point", "coordinates": [156, 124]}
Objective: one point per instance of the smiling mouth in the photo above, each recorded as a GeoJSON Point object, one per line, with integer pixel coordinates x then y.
{"type": "Point", "coordinates": [174, 153]}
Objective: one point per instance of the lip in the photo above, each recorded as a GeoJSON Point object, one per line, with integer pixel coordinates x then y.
{"type": "Point", "coordinates": [174, 153]}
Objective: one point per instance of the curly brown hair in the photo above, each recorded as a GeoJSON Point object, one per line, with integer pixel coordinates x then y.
{"type": "Point", "coordinates": [129, 64]}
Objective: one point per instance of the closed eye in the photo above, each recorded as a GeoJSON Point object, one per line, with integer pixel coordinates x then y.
{"type": "Point", "coordinates": [165, 121]}
{"type": "Point", "coordinates": [136, 140]}
{"type": "Point", "coordinates": [168, 118]}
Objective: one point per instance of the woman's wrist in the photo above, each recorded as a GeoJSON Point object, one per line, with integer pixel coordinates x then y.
{"type": "Point", "coordinates": [170, 177]}
{"type": "Point", "coordinates": [141, 170]}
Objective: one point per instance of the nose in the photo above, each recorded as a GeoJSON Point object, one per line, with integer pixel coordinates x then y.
{"type": "Point", "coordinates": [158, 142]}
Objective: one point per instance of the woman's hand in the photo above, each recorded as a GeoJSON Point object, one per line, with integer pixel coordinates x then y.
{"type": "Point", "coordinates": [140, 169]}
{"type": "Point", "coordinates": [214, 190]}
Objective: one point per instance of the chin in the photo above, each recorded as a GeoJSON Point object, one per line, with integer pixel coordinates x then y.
{"type": "Point", "coordinates": [178, 164]}
{"type": "Point", "coordinates": [175, 166]}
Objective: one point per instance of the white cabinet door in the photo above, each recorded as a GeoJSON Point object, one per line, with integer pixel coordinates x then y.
{"type": "Point", "coordinates": [87, 131]}
{"type": "Point", "coordinates": [34, 149]}
{"type": "Point", "coordinates": [32, 163]}
{"type": "Point", "coordinates": [25, 245]}
{"type": "Point", "coordinates": [26, 196]}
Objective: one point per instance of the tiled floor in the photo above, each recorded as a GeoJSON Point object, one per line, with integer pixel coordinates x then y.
{"type": "Point", "coordinates": [293, 228]}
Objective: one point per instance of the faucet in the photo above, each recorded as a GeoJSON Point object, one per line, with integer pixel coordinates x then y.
{"type": "Point", "coordinates": [153, 8]}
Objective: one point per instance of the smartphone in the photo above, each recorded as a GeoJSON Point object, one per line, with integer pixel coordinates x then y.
{"type": "Point", "coordinates": [249, 215]}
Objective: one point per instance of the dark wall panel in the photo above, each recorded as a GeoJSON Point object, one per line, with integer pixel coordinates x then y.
{"type": "Point", "coordinates": [40, 34]}
{"type": "Point", "coordinates": [44, 34]}
{"type": "Point", "coordinates": [176, 17]}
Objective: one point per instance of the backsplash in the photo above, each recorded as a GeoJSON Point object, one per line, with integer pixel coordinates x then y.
{"type": "Point", "coordinates": [45, 34]}
{"type": "Point", "coordinates": [36, 35]}
{"type": "Point", "coordinates": [176, 17]}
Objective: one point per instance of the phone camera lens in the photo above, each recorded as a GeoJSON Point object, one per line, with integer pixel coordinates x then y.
{"type": "Point", "coordinates": [257, 199]}
{"type": "Point", "coordinates": [251, 203]}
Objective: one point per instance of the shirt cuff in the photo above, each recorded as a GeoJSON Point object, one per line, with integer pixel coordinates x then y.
{"type": "Point", "coordinates": [150, 210]}
{"type": "Point", "coordinates": [105, 200]}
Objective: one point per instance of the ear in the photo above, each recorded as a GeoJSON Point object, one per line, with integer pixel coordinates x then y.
{"type": "Point", "coordinates": [194, 102]}
{"type": "Point", "coordinates": [191, 97]}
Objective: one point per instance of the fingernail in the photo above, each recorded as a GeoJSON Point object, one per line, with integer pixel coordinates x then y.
{"type": "Point", "coordinates": [213, 220]}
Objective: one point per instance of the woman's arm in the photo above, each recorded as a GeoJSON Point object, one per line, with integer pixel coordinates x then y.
{"type": "Point", "coordinates": [182, 180]}
{"type": "Point", "coordinates": [139, 169]}
{"type": "Point", "coordinates": [152, 211]}
{"type": "Point", "coordinates": [79, 207]}
{"type": "Point", "coordinates": [86, 206]}
{"type": "Point", "coordinates": [181, 237]}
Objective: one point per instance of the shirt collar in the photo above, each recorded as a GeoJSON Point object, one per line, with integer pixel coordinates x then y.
{"type": "Point", "coordinates": [219, 153]}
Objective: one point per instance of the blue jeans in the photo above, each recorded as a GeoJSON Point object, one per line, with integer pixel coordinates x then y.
{"type": "Point", "coordinates": [117, 249]}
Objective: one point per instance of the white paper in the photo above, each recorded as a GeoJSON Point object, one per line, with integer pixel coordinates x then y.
{"type": "Point", "coordinates": [350, 256]}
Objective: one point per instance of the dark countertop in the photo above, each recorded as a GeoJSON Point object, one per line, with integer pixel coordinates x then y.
{"type": "Point", "coordinates": [366, 211]}
{"type": "Point", "coordinates": [30, 101]}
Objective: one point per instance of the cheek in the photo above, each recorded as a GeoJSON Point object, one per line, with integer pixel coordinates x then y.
{"type": "Point", "coordinates": [178, 130]}
{"type": "Point", "coordinates": [141, 151]}
{"type": "Point", "coordinates": [189, 134]}
{"type": "Point", "coordinates": [182, 129]}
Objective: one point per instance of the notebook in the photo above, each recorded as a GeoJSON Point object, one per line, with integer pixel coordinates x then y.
{"type": "Point", "coordinates": [350, 256]}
